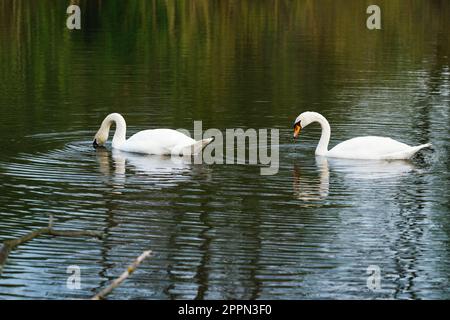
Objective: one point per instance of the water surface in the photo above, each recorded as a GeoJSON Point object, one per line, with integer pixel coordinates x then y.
{"type": "Point", "coordinates": [225, 231]}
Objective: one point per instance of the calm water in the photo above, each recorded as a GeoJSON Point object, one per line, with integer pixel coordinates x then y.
{"type": "Point", "coordinates": [224, 231]}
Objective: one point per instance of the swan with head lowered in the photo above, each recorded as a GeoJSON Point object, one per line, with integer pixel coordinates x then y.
{"type": "Point", "coordinates": [370, 147]}
{"type": "Point", "coordinates": [155, 141]}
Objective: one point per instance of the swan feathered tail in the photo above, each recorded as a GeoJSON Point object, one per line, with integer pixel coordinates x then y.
{"type": "Point", "coordinates": [196, 147]}
{"type": "Point", "coordinates": [426, 145]}
{"type": "Point", "coordinates": [408, 153]}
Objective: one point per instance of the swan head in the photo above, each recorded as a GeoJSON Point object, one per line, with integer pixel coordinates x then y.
{"type": "Point", "coordinates": [100, 137]}
{"type": "Point", "coordinates": [302, 121]}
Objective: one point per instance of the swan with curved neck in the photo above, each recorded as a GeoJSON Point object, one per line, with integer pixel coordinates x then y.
{"type": "Point", "coordinates": [155, 141]}
{"type": "Point", "coordinates": [369, 147]}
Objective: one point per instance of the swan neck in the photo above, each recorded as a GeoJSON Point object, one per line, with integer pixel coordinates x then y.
{"type": "Point", "coordinates": [121, 128]}
{"type": "Point", "coordinates": [322, 147]}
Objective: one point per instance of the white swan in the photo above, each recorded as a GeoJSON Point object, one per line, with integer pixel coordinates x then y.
{"type": "Point", "coordinates": [156, 141]}
{"type": "Point", "coordinates": [369, 147]}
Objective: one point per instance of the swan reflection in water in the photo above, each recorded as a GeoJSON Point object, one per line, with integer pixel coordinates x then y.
{"type": "Point", "coordinates": [371, 169]}
{"type": "Point", "coordinates": [313, 188]}
{"type": "Point", "coordinates": [155, 168]}
{"type": "Point", "coordinates": [308, 188]}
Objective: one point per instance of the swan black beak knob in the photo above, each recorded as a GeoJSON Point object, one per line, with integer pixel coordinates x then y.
{"type": "Point", "coordinates": [95, 144]}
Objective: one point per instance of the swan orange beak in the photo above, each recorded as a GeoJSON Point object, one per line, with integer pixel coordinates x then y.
{"type": "Point", "coordinates": [297, 130]}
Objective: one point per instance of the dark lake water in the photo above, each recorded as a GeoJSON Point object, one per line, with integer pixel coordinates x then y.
{"type": "Point", "coordinates": [225, 231]}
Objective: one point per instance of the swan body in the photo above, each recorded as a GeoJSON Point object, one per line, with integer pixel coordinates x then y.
{"type": "Point", "coordinates": [155, 141]}
{"type": "Point", "coordinates": [370, 147]}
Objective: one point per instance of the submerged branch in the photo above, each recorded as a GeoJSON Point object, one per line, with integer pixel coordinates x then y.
{"type": "Point", "coordinates": [10, 245]}
{"type": "Point", "coordinates": [102, 294]}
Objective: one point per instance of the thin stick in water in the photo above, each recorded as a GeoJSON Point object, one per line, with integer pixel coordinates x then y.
{"type": "Point", "coordinates": [102, 294]}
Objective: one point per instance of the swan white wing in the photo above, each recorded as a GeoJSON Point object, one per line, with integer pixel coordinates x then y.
{"type": "Point", "coordinates": [156, 141]}
{"type": "Point", "coordinates": [370, 147]}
